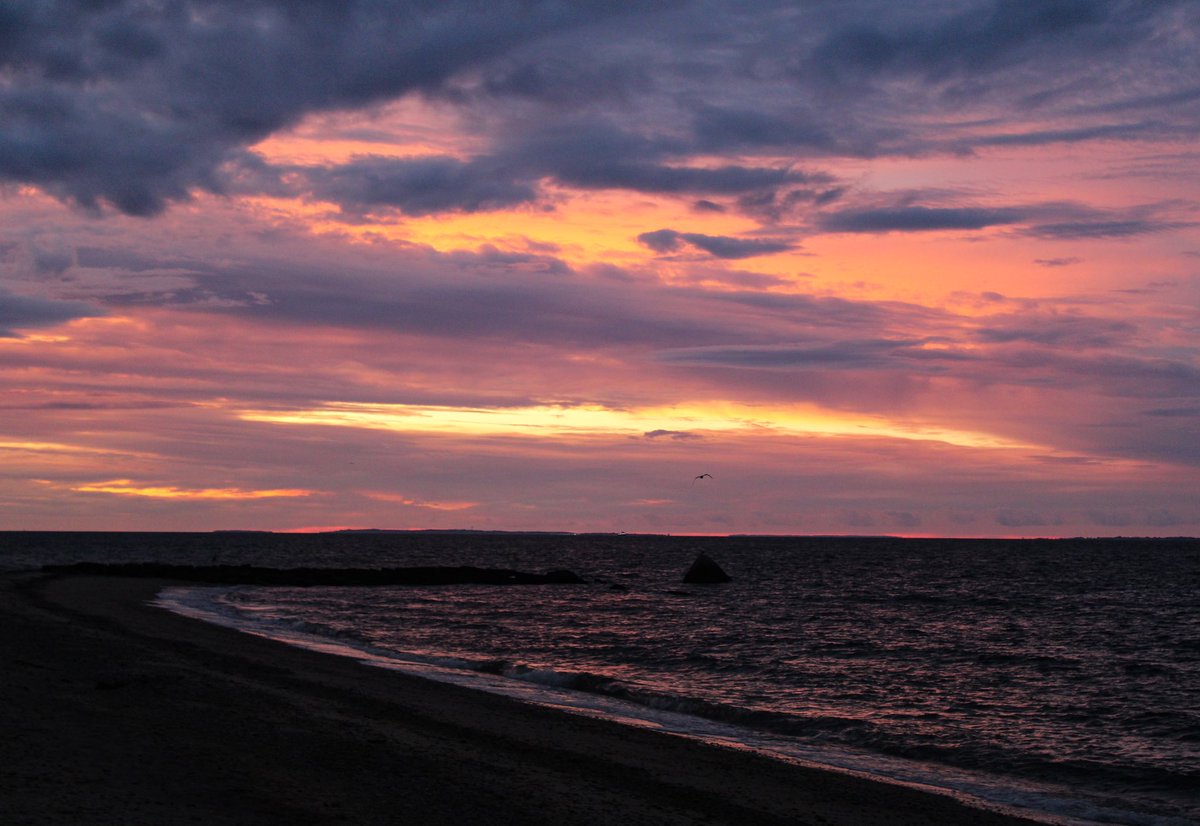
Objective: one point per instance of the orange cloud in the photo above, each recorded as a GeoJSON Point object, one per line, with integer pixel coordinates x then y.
{"type": "Point", "coordinates": [380, 496]}
{"type": "Point", "coordinates": [126, 487]}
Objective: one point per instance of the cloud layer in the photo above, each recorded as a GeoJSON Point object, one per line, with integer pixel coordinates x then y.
{"type": "Point", "coordinates": [136, 106]}
{"type": "Point", "coordinates": [923, 268]}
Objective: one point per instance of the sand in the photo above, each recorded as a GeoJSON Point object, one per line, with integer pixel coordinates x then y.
{"type": "Point", "coordinates": [113, 711]}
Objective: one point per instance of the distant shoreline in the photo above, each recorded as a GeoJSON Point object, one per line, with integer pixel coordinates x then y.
{"type": "Point", "coordinates": [615, 534]}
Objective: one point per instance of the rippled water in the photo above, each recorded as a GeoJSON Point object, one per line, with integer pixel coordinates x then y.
{"type": "Point", "coordinates": [1061, 676]}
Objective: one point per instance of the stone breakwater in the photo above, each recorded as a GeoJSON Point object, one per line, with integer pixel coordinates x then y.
{"type": "Point", "coordinates": [303, 577]}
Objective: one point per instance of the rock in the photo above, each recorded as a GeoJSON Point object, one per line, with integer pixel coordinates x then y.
{"type": "Point", "coordinates": [705, 571]}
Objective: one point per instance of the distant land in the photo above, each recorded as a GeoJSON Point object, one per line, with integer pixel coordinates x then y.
{"type": "Point", "coordinates": [497, 532]}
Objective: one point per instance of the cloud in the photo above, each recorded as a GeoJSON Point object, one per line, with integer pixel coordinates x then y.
{"type": "Point", "coordinates": [116, 103]}
{"type": "Point", "coordinates": [1057, 262]}
{"type": "Point", "coordinates": [21, 312]}
{"type": "Point", "coordinates": [1020, 518]}
{"type": "Point", "coordinates": [1053, 220]}
{"type": "Point", "coordinates": [54, 261]}
{"type": "Point", "coordinates": [639, 176]}
{"type": "Point", "coordinates": [917, 219]}
{"type": "Point", "coordinates": [417, 186]}
{"type": "Point", "coordinates": [127, 487]}
{"type": "Point", "coordinates": [674, 435]}
{"type": "Point", "coordinates": [133, 107]}
{"type": "Point", "coordinates": [1174, 412]}
{"type": "Point", "coordinates": [491, 295]}
{"type": "Point", "coordinates": [1097, 229]}
{"type": "Point", "coordinates": [979, 38]}
{"type": "Point", "coordinates": [864, 354]}
{"type": "Point", "coordinates": [989, 33]}
{"type": "Point", "coordinates": [904, 519]}
{"type": "Point", "coordinates": [1058, 331]}
{"type": "Point", "coordinates": [718, 246]}
{"type": "Point", "coordinates": [717, 129]}
{"type": "Point", "coordinates": [1041, 137]}
{"type": "Point", "coordinates": [1142, 517]}
{"type": "Point", "coordinates": [588, 153]}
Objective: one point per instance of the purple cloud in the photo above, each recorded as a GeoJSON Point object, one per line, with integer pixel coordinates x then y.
{"type": "Point", "coordinates": [718, 246]}
{"type": "Point", "coordinates": [22, 312]}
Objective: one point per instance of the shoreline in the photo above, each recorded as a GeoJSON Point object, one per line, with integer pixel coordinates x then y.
{"type": "Point", "coordinates": [120, 711]}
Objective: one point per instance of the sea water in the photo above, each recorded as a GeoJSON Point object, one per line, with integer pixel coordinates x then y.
{"type": "Point", "coordinates": [1059, 679]}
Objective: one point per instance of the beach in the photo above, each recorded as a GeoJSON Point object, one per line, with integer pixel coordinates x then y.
{"type": "Point", "coordinates": [115, 711]}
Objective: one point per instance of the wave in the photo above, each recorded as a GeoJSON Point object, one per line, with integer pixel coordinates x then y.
{"type": "Point", "coordinates": [853, 732]}
{"type": "Point", "coordinates": [860, 735]}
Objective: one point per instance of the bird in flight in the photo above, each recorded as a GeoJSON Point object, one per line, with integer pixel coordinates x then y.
{"type": "Point", "coordinates": [702, 476]}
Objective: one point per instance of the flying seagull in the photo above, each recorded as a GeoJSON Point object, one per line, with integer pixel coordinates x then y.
{"type": "Point", "coordinates": [702, 476]}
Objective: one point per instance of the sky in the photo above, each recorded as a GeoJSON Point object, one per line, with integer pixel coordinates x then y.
{"type": "Point", "coordinates": [927, 268]}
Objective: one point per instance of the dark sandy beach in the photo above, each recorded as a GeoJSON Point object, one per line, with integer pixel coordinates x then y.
{"type": "Point", "coordinates": [113, 711]}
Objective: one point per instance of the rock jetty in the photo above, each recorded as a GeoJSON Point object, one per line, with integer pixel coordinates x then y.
{"type": "Point", "coordinates": [302, 577]}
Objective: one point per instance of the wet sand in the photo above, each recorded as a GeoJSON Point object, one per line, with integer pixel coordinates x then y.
{"type": "Point", "coordinates": [113, 711]}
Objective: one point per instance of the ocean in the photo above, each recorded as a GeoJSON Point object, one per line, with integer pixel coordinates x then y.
{"type": "Point", "coordinates": [1056, 678]}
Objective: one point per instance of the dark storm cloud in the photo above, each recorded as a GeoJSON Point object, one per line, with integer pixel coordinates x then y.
{"type": "Point", "coordinates": [600, 154]}
{"type": "Point", "coordinates": [560, 80]}
{"type": "Point", "coordinates": [917, 219]}
{"type": "Point", "coordinates": [1113, 373]}
{"type": "Point", "coordinates": [674, 435]}
{"type": "Point", "coordinates": [1172, 98]}
{"type": "Point", "coordinates": [718, 246]}
{"type": "Point", "coordinates": [719, 128]}
{"type": "Point", "coordinates": [1059, 331]}
{"type": "Point", "coordinates": [128, 260]}
{"type": "Point", "coordinates": [473, 296]}
{"type": "Point", "coordinates": [1098, 229]}
{"type": "Point", "coordinates": [135, 105]}
{"type": "Point", "coordinates": [849, 354]}
{"type": "Point", "coordinates": [419, 186]}
{"type": "Point", "coordinates": [1042, 137]}
{"type": "Point", "coordinates": [1076, 221]}
{"type": "Point", "coordinates": [1049, 220]}
{"type": "Point", "coordinates": [674, 180]}
{"type": "Point", "coordinates": [978, 36]}
{"type": "Point", "coordinates": [487, 294]}
{"type": "Point", "coordinates": [1174, 412]}
{"type": "Point", "coordinates": [1027, 66]}
{"type": "Point", "coordinates": [50, 261]}
{"type": "Point", "coordinates": [21, 312]}
{"type": "Point", "coordinates": [589, 154]}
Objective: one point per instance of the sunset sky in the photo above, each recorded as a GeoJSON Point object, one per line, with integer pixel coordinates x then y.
{"type": "Point", "coordinates": [926, 268]}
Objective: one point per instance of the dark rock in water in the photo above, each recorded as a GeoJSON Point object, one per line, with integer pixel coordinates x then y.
{"type": "Point", "coordinates": [705, 571]}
